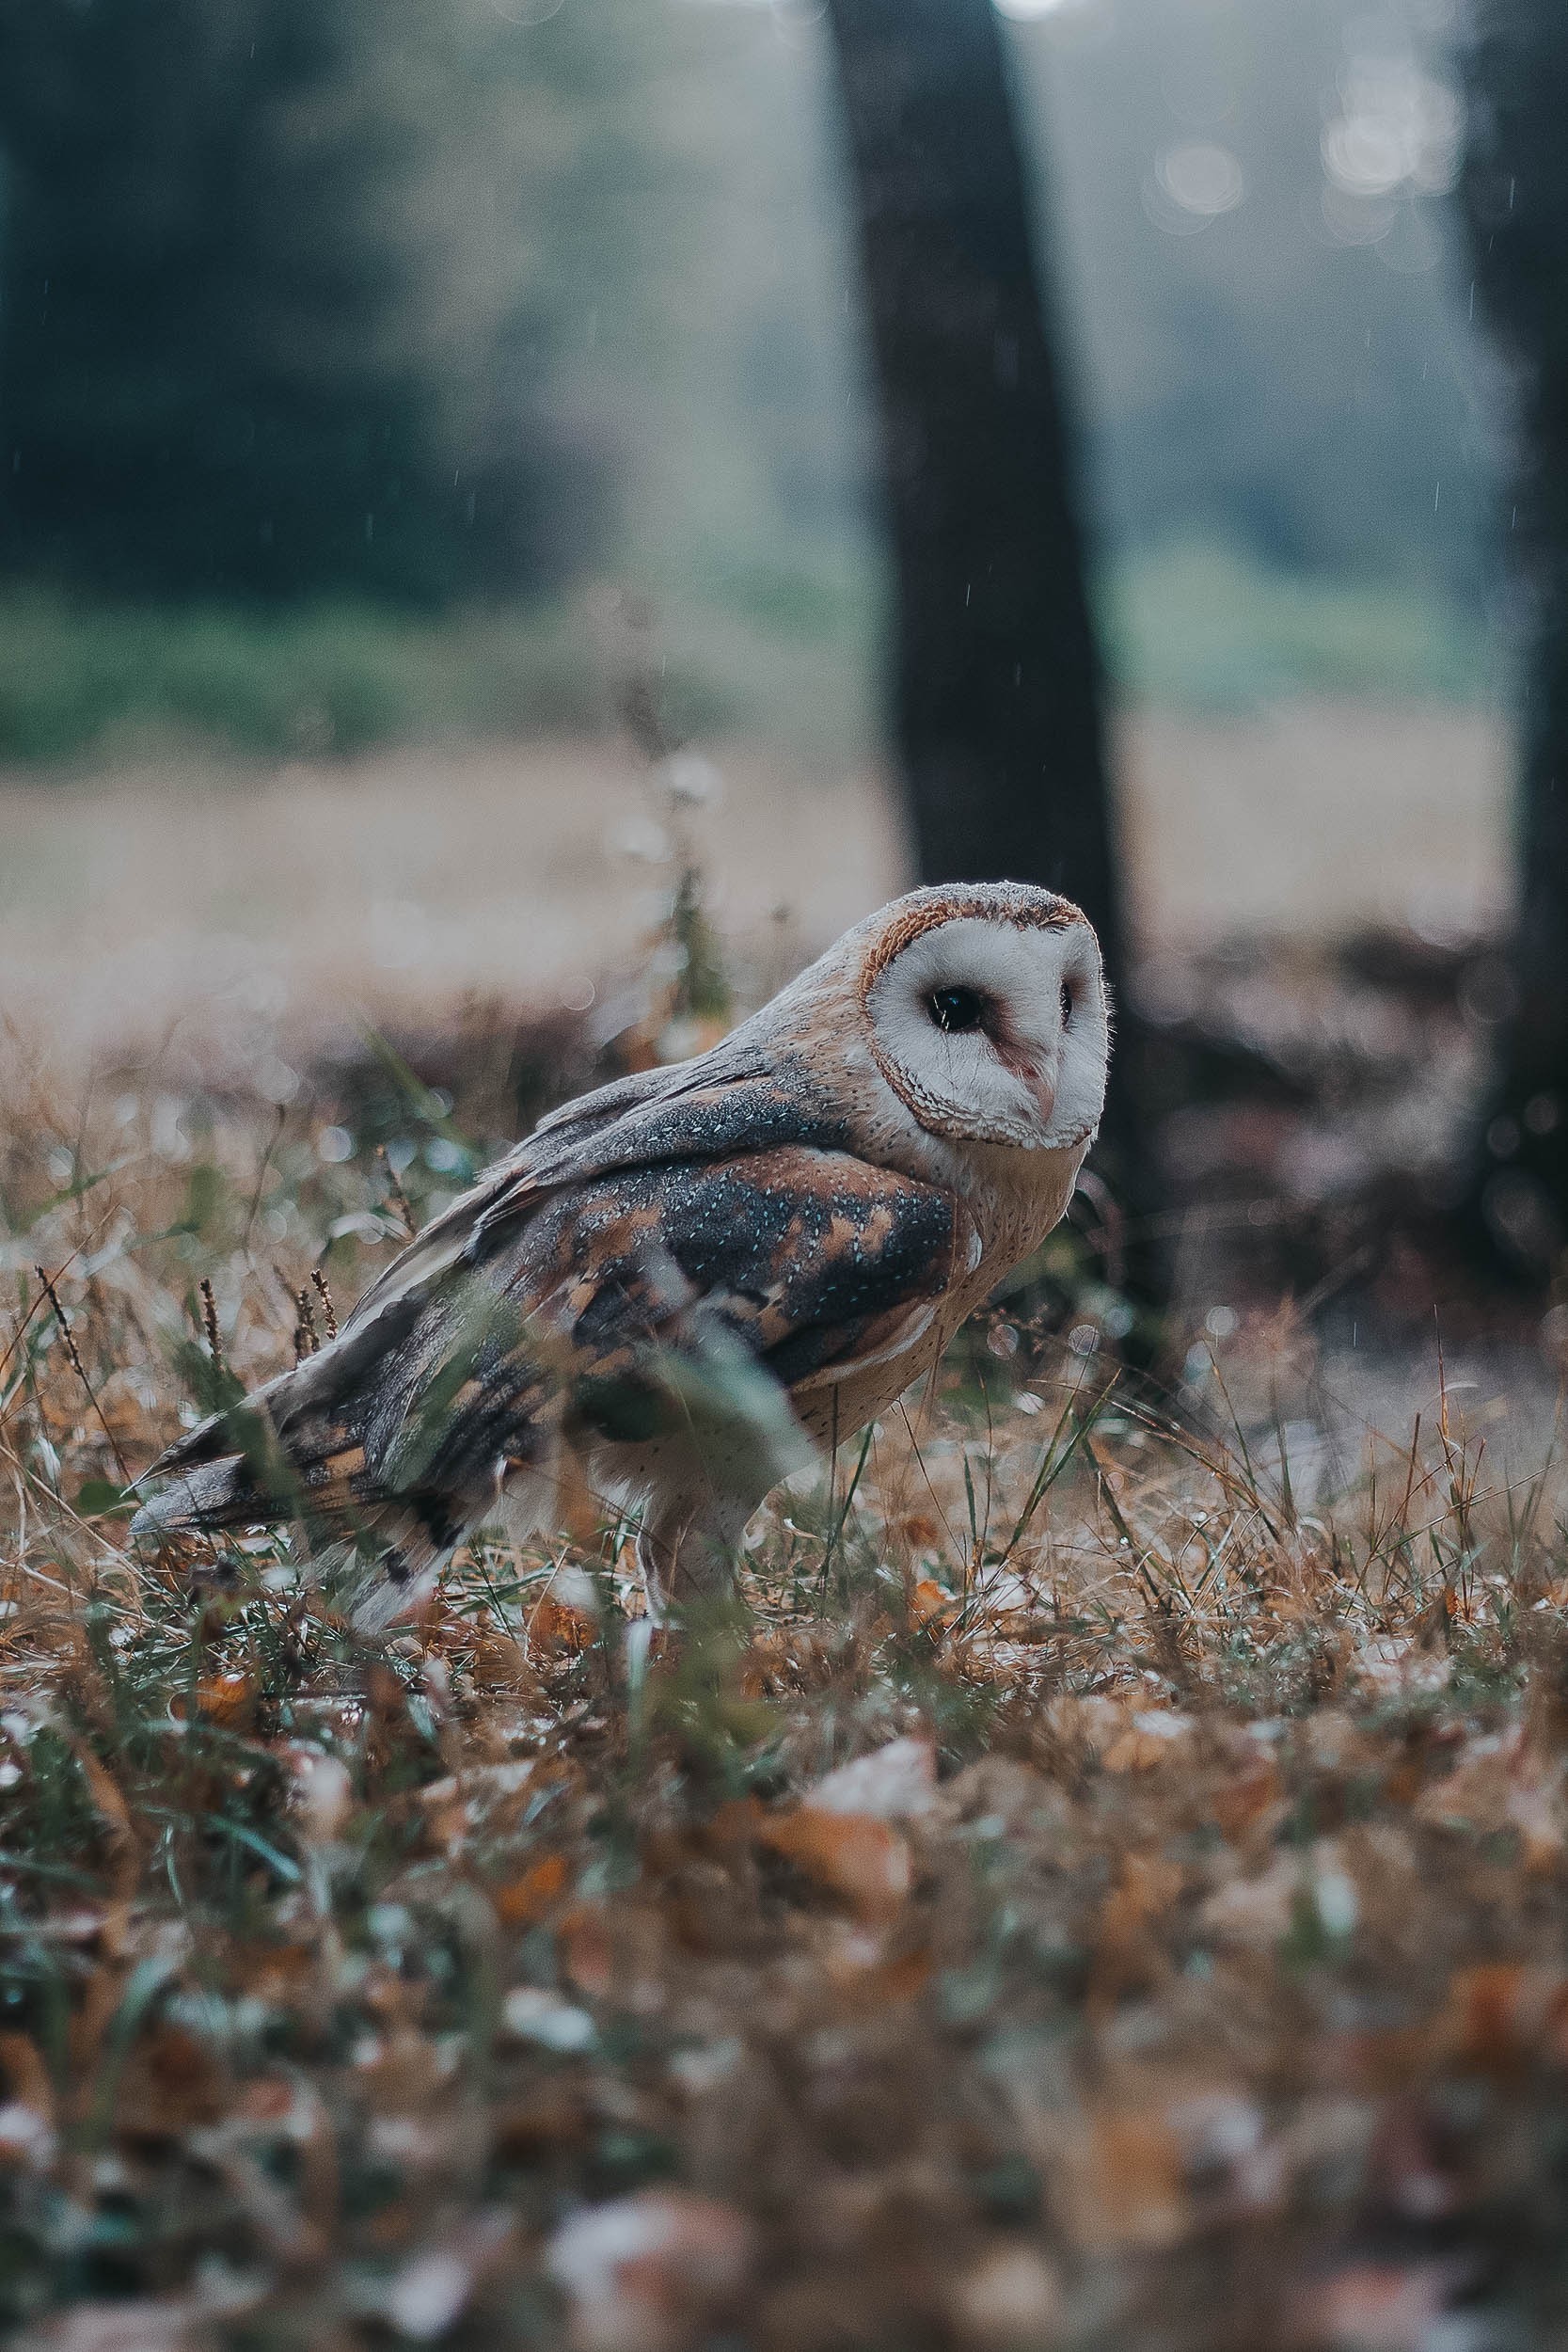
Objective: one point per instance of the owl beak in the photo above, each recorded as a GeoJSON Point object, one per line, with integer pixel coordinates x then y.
{"type": "Point", "coordinates": [1044, 1091]}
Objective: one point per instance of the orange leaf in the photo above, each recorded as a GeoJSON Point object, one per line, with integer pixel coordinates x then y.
{"type": "Point", "coordinates": [556, 1624]}
{"type": "Point", "coordinates": [228, 1699]}
{"type": "Point", "coordinates": [929, 1605]}
{"type": "Point", "coordinates": [1148, 1741]}
{"type": "Point", "coordinates": [529, 1897]}
{"type": "Point", "coordinates": [585, 1950]}
{"type": "Point", "coordinates": [919, 1530]}
{"type": "Point", "coordinates": [1128, 1952]}
{"type": "Point", "coordinates": [1124, 2182]}
{"type": "Point", "coordinates": [1499, 2011]}
{"type": "Point", "coordinates": [26, 2074]}
{"type": "Point", "coordinates": [851, 1854]}
{"type": "Point", "coordinates": [1237, 1803]}
{"type": "Point", "coordinates": [171, 2083]}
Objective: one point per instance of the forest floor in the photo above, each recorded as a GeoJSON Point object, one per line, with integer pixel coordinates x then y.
{"type": "Point", "coordinates": [1108, 1886]}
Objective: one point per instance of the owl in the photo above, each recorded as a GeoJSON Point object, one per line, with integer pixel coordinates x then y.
{"type": "Point", "coordinates": [692, 1278]}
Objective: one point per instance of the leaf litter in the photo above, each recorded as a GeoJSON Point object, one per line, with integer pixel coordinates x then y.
{"type": "Point", "coordinates": [1106, 1886]}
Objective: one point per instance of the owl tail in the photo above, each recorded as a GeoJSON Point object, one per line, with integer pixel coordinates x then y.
{"type": "Point", "coordinates": [383, 1450]}
{"type": "Point", "coordinates": [376, 1559]}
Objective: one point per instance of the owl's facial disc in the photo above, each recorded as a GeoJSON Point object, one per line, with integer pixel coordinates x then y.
{"type": "Point", "coordinates": [996, 1032]}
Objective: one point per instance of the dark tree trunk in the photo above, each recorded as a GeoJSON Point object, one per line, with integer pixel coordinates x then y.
{"type": "Point", "coordinates": [996, 676]}
{"type": "Point", "coordinates": [1515, 190]}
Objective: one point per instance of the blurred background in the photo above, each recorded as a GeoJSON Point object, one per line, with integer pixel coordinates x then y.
{"type": "Point", "coordinates": [453, 476]}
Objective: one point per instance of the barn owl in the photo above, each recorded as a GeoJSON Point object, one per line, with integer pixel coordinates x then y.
{"type": "Point", "coordinates": [693, 1277]}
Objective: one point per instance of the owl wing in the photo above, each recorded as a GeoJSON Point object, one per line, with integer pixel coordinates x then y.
{"type": "Point", "coordinates": [724, 1102]}
{"type": "Point", "coordinates": [816, 1262]}
{"type": "Point", "coordinates": [604, 1278]}
{"type": "Point", "coordinates": [731, 1100]}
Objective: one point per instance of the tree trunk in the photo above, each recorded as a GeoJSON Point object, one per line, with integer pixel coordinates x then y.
{"type": "Point", "coordinates": [997, 716]}
{"type": "Point", "coordinates": [1515, 190]}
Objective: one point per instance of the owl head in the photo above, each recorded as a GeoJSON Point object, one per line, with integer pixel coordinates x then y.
{"type": "Point", "coordinates": [987, 1011]}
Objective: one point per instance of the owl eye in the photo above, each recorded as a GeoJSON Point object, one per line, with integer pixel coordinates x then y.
{"type": "Point", "coordinates": [1069, 1005]}
{"type": "Point", "coordinates": [957, 1010]}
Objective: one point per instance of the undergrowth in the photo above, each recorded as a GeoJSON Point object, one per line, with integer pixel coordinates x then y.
{"type": "Point", "coordinates": [782, 650]}
{"type": "Point", "coordinates": [1105, 1886]}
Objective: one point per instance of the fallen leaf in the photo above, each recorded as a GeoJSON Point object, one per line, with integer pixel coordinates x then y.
{"type": "Point", "coordinates": [484, 1796]}
{"type": "Point", "coordinates": [1501, 2011]}
{"type": "Point", "coordinates": [1127, 1949]}
{"type": "Point", "coordinates": [852, 1855]}
{"type": "Point", "coordinates": [321, 1790]}
{"type": "Point", "coordinates": [27, 2141]}
{"type": "Point", "coordinates": [567, 1616]}
{"type": "Point", "coordinates": [1500, 1782]}
{"type": "Point", "coordinates": [586, 1952]}
{"type": "Point", "coordinates": [1002, 1602]}
{"type": "Point", "coordinates": [532, 2014]}
{"type": "Point", "coordinates": [26, 2074]}
{"type": "Point", "coordinates": [228, 1699]}
{"type": "Point", "coordinates": [171, 2083]}
{"type": "Point", "coordinates": [1256, 1911]}
{"type": "Point", "coordinates": [500, 1664]}
{"type": "Point", "coordinates": [894, 1782]}
{"type": "Point", "coordinates": [1148, 1741]}
{"type": "Point", "coordinates": [430, 2291]}
{"type": "Point", "coordinates": [1238, 1803]}
{"type": "Point", "coordinates": [527, 1899]}
{"type": "Point", "coordinates": [919, 1530]}
{"type": "Point", "coordinates": [1010, 2298]}
{"type": "Point", "coordinates": [109, 1803]}
{"type": "Point", "coordinates": [929, 1605]}
{"type": "Point", "coordinates": [617, 1953]}
{"type": "Point", "coordinates": [650, 2272]}
{"type": "Point", "coordinates": [1123, 2178]}
{"type": "Point", "coordinates": [857, 1962]}
{"type": "Point", "coordinates": [1379, 2307]}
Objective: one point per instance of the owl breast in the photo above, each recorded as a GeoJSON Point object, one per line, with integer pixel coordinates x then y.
{"type": "Point", "coordinates": [1024, 1198]}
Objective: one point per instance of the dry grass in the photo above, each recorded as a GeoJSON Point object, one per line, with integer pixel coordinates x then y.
{"type": "Point", "coordinates": [1187, 1970]}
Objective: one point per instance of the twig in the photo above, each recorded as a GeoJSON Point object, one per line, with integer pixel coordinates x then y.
{"type": "Point", "coordinates": [330, 1313]}
{"type": "Point", "coordinates": [210, 1325]}
{"type": "Point", "coordinates": [74, 1358]}
{"type": "Point", "coordinates": [306, 1337]}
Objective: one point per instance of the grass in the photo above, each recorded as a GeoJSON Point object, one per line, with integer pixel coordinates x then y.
{"type": "Point", "coordinates": [80, 680]}
{"type": "Point", "coordinates": [779, 647]}
{"type": "Point", "coordinates": [1199, 626]}
{"type": "Point", "coordinates": [1185, 1968]}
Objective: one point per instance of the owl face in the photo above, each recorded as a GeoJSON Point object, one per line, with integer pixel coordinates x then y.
{"type": "Point", "coordinates": [988, 1014]}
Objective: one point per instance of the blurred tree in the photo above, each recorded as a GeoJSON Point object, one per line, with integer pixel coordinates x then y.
{"type": "Point", "coordinates": [1516, 192]}
{"type": "Point", "coordinates": [255, 337]}
{"type": "Point", "coordinates": [997, 685]}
